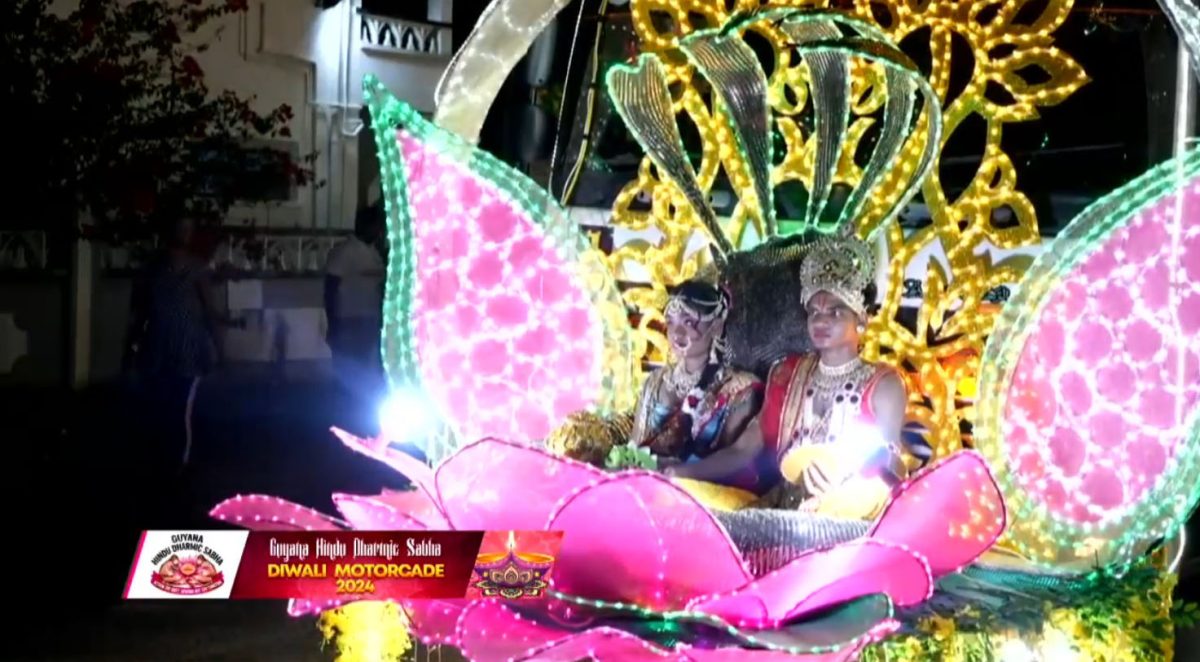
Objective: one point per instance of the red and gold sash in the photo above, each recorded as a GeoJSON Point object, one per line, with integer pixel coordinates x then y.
{"type": "Point", "coordinates": [782, 400]}
{"type": "Point", "coordinates": [783, 403]}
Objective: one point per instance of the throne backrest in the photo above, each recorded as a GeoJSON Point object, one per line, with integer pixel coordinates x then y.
{"type": "Point", "coordinates": [767, 320]}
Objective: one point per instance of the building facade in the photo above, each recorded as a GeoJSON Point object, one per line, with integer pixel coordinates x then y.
{"type": "Point", "coordinates": [68, 324]}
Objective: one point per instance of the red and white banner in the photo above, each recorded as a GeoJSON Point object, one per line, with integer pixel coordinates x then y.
{"type": "Point", "coordinates": [342, 565]}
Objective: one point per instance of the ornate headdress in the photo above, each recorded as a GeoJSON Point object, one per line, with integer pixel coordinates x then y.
{"type": "Point", "coordinates": [717, 303]}
{"type": "Point", "coordinates": [841, 265]}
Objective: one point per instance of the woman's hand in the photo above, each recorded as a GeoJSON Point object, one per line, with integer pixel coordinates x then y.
{"type": "Point", "coordinates": [672, 467]}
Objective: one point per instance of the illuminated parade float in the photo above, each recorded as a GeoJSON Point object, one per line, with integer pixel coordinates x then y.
{"type": "Point", "coordinates": [793, 479]}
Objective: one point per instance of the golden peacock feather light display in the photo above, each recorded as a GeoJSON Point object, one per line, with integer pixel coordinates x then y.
{"type": "Point", "coordinates": [941, 357]}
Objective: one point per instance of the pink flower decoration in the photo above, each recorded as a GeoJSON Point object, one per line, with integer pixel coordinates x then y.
{"type": "Point", "coordinates": [1109, 370]}
{"type": "Point", "coordinates": [478, 486]}
{"type": "Point", "coordinates": [473, 308]}
{"type": "Point", "coordinates": [659, 549]}
{"type": "Point", "coordinates": [268, 513]}
{"type": "Point", "coordinates": [683, 553]}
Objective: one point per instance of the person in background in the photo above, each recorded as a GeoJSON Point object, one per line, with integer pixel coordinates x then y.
{"type": "Point", "coordinates": [172, 341]}
{"type": "Point", "coordinates": [354, 277]}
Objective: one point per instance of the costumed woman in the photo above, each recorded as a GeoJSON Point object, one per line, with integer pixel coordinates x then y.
{"type": "Point", "coordinates": [689, 411]}
{"type": "Point", "coordinates": [697, 405]}
{"type": "Point", "coordinates": [832, 419]}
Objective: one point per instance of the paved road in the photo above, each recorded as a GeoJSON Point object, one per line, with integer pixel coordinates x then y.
{"type": "Point", "coordinates": [80, 486]}
{"type": "Point", "coordinates": [196, 631]}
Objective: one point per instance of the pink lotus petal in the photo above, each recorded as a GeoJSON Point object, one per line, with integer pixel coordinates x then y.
{"type": "Point", "coordinates": [498, 485]}
{"type": "Point", "coordinates": [601, 644]}
{"type": "Point", "coordinates": [490, 631]}
{"type": "Point", "coordinates": [435, 622]}
{"type": "Point", "coordinates": [821, 579]}
{"type": "Point", "coordinates": [268, 513]}
{"type": "Point", "coordinates": [298, 608]}
{"type": "Point", "coordinates": [950, 514]}
{"type": "Point", "coordinates": [417, 505]}
{"type": "Point", "coordinates": [1118, 368]}
{"type": "Point", "coordinates": [639, 538]}
{"type": "Point", "coordinates": [464, 224]}
{"type": "Point", "coordinates": [371, 514]}
{"type": "Point", "coordinates": [739, 654]}
{"type": "Point", "coordinates": [417, 472]}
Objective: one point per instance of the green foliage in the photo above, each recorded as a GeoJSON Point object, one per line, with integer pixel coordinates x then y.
{"type": "Point", "coordinates": [125, 126]}
{"type": "Point", "coordinates": [1128, 613]}
{"type": "Point", "coordinates": [628, 457]}
{"type": "Point", "coordinates": [1185, 615]}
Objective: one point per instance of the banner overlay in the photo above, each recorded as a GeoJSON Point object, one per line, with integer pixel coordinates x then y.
{"type": "Point", "coordinates": [342, 565]}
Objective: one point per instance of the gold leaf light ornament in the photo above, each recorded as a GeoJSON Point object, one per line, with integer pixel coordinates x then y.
{"type": "Point", "coordinates": [954, 319]}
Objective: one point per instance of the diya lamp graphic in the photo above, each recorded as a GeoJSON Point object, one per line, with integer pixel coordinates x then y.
{"type": "Point", "coordinates": [512, 574]}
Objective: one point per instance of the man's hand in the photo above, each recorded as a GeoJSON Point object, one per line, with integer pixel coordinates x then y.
{"type": "Point", "coordinates": [882, 466]}
{"type": "Point", "coordinates": [821, 479]}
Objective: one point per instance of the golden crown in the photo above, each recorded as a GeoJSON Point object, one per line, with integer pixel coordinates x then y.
{"type": "Point", "coordinates": [843, 266]}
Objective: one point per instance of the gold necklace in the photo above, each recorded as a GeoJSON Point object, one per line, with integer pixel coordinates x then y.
{"type": "Point", "coordinates": [680, 380]}
{"type": "Point", "coordinates": [839, 370]}
{"type": "Point", "coordinates": [826, 385]}
{"type": "Point", "coordinates": [835, 378]}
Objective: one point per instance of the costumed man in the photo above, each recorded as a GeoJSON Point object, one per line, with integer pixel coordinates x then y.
{"type": "Point", "coordinates": [832, 420]}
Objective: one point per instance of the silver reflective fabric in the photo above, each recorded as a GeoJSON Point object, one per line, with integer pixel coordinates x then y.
{"type": "Point", "coordinates": [830, 85]}
{"type": "Point", "coordinates": [640, 94]}
{"type": "Point", "coordinates": [770, 538]}
{"type": "Point", "coordinates": [897, 120]}
{"type": "Point", "coordinates": [1185, 17]}
{"type": "Point", "coordinates": [732, 68]}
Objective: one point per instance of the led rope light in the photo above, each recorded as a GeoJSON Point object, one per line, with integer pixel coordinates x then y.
{"type": "Point", "coordinates": [1089, 388]}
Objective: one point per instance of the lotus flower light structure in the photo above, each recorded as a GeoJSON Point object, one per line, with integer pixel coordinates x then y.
{"type": "Point", "coordinates": [645, 571]}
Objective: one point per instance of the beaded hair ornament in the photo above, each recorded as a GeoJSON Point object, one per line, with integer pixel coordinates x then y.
{"type": "Point", "coordinates": [678, 303]}
{"type": "Point", "coordinates": [841, 265]}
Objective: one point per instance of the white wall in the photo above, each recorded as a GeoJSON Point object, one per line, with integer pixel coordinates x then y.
{"type": "Point", "coordinates": [290, 51]}
{"type": "Point", "coordinates": [284, 51]}
{"type": "Point", "coordinates": [278, 52]}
